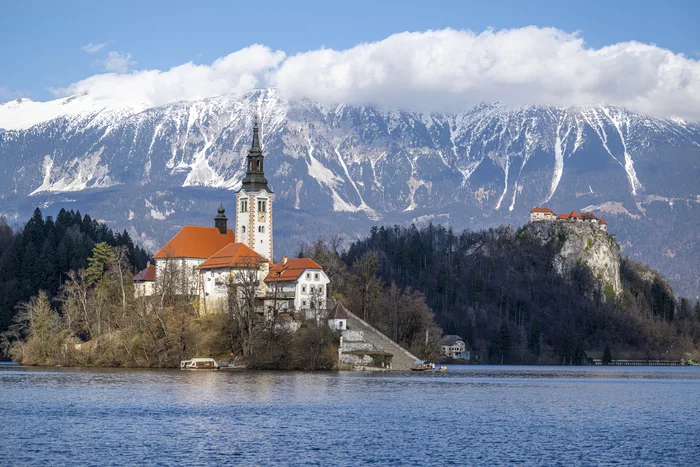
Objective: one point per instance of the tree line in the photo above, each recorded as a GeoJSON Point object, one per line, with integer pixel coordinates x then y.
{"type": "Point", "coordinates": [40, 255]}
{"type": "Point", "coordinates": [498, 289]}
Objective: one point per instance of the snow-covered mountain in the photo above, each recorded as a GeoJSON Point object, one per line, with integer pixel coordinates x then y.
{"type": "Point", "coordinates": [345, 168]}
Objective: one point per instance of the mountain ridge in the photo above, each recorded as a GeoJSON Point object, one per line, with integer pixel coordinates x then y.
{"type": "Point", "coordinates": [349, 167]}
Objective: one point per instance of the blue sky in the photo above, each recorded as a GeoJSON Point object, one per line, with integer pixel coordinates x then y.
{"type": "Point", "coordinates": [41, 40]}
{"type": "Point", "coordinates": [429, 56]}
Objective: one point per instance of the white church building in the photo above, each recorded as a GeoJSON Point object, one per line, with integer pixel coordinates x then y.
{"type": "Point", "coordinates": [213, 258]}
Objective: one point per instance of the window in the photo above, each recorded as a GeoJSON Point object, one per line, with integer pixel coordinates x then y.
{"type": "Point", "coordinates": [311, 289]}
{"type": "Point", "coordinates": [320, 290]}
{"type": "Point", "coordinates": [261, 228]}
{"type": "Point", "coordinates": [303, 303]}
{"type": "Point", "coordinates": [303, 288]}
{"type": "Point", "coordinates": [262, 205]}
{"type": "Point", "coordinates": [316, 276]}
{"type": "Point", "coordinates": [244, 205]}
{"type": "Point", "coordinates": [308, 276]}
{"type": "Point", "coordinates": [243, 229]}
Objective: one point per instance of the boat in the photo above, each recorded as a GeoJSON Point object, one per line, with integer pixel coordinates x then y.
{"type": "Point", "coordinates": [199, 364]}
{"type": "Point", "coordinates": [441, 369]}
{"type": "Point", "coordinates": [422, 365]}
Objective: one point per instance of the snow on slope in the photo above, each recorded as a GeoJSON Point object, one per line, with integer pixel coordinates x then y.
{"type": "Point", "coordinates": [23, 113]}
{"type": "Point", "coordinates": [202, 143]}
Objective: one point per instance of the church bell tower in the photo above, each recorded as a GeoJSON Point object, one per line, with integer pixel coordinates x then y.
{"type": "Point", "coordinates": [254, 202]}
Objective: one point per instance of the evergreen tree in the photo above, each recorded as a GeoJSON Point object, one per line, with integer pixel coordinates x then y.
{"type": "Point", "coordinates": [102, 257]}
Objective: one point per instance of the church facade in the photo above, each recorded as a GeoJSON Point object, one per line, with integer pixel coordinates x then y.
{"type": "Point", "coordinates": [204, 262]}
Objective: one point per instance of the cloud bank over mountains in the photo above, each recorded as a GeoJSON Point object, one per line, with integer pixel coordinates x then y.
{"type": "Point", "coordinates": [438, 70]}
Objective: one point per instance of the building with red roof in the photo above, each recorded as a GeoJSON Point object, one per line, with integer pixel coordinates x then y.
{"type": "Point", "coordinates": [235, 263]}
{"type": "Point", "coordinates": [541, 214]}
{"type": "Point", "coordinates": [300, 278]}
{"type": "Point", "coordinates": [145, 281]}
{"type": "Point", "coordinates": [208, 259]}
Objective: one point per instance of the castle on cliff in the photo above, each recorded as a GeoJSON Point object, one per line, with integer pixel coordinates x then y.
{"type": "Point", "coordinates": [538, 214]}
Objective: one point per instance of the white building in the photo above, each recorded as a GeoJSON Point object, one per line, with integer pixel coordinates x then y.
{"type": "Point", "coordinates": [145, 282]}
{"type": "Point", "coordinates": [177, 261]}
{"type": "Point", "coordinates": [453, 346]}
{"type": "Point", "coordinates": [254, 203]}
{"type": "Point", "coordinates": [299, 284]}
{"type": "Point", "coordinates": [208, 259]}
{"type": "Point", "coordinates": [338, 318]}
{"type": "Point", "coordinates": [542, 214]}
{"type": "Point", "coordinates": [233, 264]}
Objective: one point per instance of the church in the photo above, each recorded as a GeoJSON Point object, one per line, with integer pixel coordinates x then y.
{"type": "Point", "coordinates": [203, 262]}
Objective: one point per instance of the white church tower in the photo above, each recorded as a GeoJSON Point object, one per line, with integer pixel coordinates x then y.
{"type": "Point", "coordinates": [254, 203]}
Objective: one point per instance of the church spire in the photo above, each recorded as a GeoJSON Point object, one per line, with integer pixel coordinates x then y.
{"type": "Point", "coordinates": [254, 179]}
{"type": "Point", "coordinates": [255, 147]}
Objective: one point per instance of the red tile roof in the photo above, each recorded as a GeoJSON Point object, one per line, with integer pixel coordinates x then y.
{"type": "Point", "coordinates": [148, 274]}
{"type": "Point", "coordinates": [574, 215]}
{"type": "Point", "coordinates": [602, 221]}
{"type": "Point", "coordinates": [544, 210]}
{"type": "Point", "coordinates": [291, 271]}
{"type": "Point", "coordinates": [588, 215]}
{"type": "Point", "coordinates": [233, 255]}
{"type": "Point", "coordinates": [563, 217]}
{"type": "Point", "coordinates": [196, 242]}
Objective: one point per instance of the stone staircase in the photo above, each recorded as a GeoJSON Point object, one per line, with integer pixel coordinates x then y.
{"type": "Point", "coordinates": [363, 337]}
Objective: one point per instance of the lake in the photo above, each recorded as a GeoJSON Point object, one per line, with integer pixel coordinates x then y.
{"type": "Point", "coordinates": [471, 415]}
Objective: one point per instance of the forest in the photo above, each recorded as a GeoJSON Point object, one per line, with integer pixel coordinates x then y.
{"type": "Point", "coordinates": [40, 255]}
{"type": "Point", "coordinates": [68, 298]}
{"type": "Point", "coordinates": [497, 288]}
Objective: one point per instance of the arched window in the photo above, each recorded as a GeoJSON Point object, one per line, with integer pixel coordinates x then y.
{"type": "Point", "coordinates": [243, 229]}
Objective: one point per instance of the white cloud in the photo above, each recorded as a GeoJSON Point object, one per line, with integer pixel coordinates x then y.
{"type": "Point", "coordinates": [235, 73]}
{"type": "Point", "coordinates": [117, 62]}
{"type": "Point", "coordinates": [443, 70]}
{"type": "Point", "coordinates": [94, 48]}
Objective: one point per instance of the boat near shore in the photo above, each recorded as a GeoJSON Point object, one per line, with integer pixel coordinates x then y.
{"type": "Point", "coordinates": [422, 365]}
{"type": "Point", "coordinates": [199, 364]}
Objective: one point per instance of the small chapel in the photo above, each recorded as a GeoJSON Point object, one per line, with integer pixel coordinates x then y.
{"type": "Point", "coordinates": [203, 262]}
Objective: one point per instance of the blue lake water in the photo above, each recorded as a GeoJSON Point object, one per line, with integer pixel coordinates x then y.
{"type": "Point", "coordinates": [467, 416]}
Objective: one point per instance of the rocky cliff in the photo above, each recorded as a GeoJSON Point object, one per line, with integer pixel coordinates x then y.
{"type": "Point", "coordinates": [582, 244]}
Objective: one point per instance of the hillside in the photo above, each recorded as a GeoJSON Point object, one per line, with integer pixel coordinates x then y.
{"type": "Point", "coordinates": [345, 168]}
{"type": "Point", "coordinates": [547, 292]}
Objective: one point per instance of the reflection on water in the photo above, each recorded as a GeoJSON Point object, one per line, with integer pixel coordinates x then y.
{"type": "Point", "coordinates": [467, 416]}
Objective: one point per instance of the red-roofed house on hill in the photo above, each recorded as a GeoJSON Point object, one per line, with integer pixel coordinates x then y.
{"type": "Point", "coordinates": [542, 214]}
{"type": "Point", "coordinates": [301, 283]}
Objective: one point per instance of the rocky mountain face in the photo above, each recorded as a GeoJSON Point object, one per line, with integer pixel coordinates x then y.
{"type": "Point", "coordinates": [343, 169]}
{"type": "Point", "coordinates": [583, 244]}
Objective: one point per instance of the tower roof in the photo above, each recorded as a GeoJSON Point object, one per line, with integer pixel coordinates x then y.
{"type": "Point", "coordinates": [254, 179]}
{"type": "Point", "coordinates": [221, 211]}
